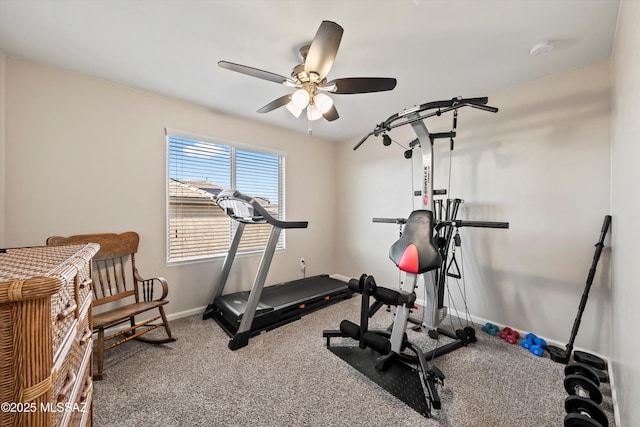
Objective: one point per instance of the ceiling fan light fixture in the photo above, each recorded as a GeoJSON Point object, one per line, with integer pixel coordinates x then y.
{"type": "Point", "coordinates": [313, 112]}
{"type": "Point", "coordinates": [323, 102]}
{"type": "Point", "coordinates": [294, 110]}
{"type": "Point", "coordinates": [300, 98]}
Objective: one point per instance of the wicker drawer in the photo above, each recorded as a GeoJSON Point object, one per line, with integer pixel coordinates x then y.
{"type": "Point", "coordinates": [83, 281]}
{"type": "Point", "coordinates": [63, 317]}
{"type": "Point", "coordinates": [78, 404]}
{"type": "Point", "coordinates": [67, 379]}
{"type": "Point", "coordinates": [84, 333]}
{"type": "Point", "coordinates": [73, 297]}
{"type": "Point", "coordinates": [81, 410]}
{"type": "Point", "coordinates": [77, 364]}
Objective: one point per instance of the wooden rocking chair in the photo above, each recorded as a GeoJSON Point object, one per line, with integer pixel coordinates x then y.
{"type": "Point", "coordinates": [129, 294]}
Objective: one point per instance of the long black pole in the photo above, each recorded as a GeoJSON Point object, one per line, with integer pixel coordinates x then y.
{"type": "Point", "coordinates": [592, 273]}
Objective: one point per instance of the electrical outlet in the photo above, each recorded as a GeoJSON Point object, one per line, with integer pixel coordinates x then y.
{"type": "Point", "coordinates": [303, 265]}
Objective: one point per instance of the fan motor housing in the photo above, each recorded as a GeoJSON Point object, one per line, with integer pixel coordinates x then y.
{"type": "Point", "coordinates": [300, 74]}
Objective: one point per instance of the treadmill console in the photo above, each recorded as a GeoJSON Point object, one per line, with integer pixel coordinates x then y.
{"type": "Point", "coordinates": [240, 207]}
{"type": "Point", "coordinates": [249, 210]}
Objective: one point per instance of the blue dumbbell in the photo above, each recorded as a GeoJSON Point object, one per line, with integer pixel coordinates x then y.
{"type": "Point", "coordinates": [528, 341]}
{"type": "Point", "coordinates": [538, 347]}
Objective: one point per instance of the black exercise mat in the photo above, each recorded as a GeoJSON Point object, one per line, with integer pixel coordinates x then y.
{"type": "Point", "coordinates": [401, 380]}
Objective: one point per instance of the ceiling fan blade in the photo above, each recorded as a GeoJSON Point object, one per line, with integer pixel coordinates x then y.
{"type": "Point", "coordinates": [362, 84]}
{"type": "Point", "coordinates": [277, 103]}
{"type": "Point", "coordinates": [254, 72]}
{"type": "Point", "coordinates": [332, 114]}
{"type": "Point", "coordinates": [323, 49]}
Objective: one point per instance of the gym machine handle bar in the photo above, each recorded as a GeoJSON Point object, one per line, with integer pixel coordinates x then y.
{"type": "Point", "coordinates": [442, 106]}
{"type": "Point", "coordinates": [477, 224]}
{"type": "Point", "coordinates": [442, 224]}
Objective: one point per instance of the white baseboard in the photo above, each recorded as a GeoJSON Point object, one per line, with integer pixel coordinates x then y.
{"type": "Point", "coordinates": [186, 313]}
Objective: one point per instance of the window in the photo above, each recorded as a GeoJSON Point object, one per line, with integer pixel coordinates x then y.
{"type": "Point", "coordinates": [199, 168]}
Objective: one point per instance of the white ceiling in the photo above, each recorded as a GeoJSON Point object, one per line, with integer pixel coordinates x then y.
{"type": "Point", "coordinates": [437, 49]}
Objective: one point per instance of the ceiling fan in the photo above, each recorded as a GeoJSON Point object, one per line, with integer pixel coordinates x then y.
{"type": "Point", "coordinates": [310, 78]}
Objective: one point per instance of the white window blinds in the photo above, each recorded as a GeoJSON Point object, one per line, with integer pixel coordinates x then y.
{"type": "Point", "coordinates": [198, 170]}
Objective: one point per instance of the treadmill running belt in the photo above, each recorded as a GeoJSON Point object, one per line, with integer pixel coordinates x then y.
{"type": "Point", "coordinates": [281, 304]}
{"type": "Point", "coordinates": [299, 291]}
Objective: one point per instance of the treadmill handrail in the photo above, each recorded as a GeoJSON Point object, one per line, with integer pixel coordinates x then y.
{"type": "Point", "coordinates": [235, 194]}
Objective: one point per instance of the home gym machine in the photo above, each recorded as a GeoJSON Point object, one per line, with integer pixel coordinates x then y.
{"type": "Point", "coordinates": [423, 249]}
{"type": "Point", "coordinates": [243, 315]}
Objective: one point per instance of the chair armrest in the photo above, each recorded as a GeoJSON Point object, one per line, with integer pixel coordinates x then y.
{"type": "Point", "coordinates": [148, 286]}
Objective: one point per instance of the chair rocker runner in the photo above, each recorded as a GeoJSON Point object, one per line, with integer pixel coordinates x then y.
{"type": "Point", "coordinates": [118, 283]}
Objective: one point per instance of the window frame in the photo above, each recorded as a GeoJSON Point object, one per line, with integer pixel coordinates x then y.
{"type": "Point", "coordinates": [282, 155]}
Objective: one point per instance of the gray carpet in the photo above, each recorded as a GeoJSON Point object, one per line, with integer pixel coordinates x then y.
{"type": "Point", "coordinates": [287, 377]}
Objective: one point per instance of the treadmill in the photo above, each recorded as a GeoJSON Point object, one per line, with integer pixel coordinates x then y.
{"type": "Point", "coordinates": [243, 315]}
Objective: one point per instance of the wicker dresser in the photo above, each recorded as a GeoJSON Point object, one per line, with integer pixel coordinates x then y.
{"type": "Point", "coordinates": [45, 336]}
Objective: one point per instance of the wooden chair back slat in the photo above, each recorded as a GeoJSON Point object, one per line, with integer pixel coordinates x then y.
{"type": "Point", "coordinates": [123, 275]}
{"type": "Point", "coordinates": [102, 265]}
{"type": "Point", "coordinates": [98, 281]}
{"type": "Point", "coordinates": [110, 277]}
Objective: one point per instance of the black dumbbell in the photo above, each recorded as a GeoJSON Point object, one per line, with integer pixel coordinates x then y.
{"type": "Point", "coordinates": [583, 412]}
{"type": "Point", "coordinates": [582, 380]}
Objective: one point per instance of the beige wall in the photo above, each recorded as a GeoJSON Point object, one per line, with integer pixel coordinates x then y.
{"type": "Point", "coordinates": [86, 156]}
{"type": "Point", "coordinates": [625, 158]}
{"type": "Point", "coordinates": [541, 163]}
